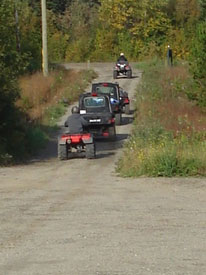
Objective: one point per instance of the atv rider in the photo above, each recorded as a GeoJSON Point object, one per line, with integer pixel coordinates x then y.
{"type": "Point", "coordinates": [75, 122]}
{"type": "Point", "coordinates": [122, 58]}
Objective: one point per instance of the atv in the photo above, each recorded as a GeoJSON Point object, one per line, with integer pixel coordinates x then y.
{"type": "Point", "coordinates": [70, 145]}
{"type": "Point", "coordinates": [97, 111]}
{"type": "Point", "coordinates": [122, 68]}
{"type": "Point", "coordinates": [112, 90]}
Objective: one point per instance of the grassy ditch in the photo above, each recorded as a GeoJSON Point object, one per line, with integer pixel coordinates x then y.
{"type": "Point", "coordinates": [42, 101]}
{"type": "Point", "coordinates": [169, 132]}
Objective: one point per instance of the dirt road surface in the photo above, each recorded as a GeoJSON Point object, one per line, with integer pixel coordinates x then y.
{"type": "Point", "coordinates": [77, 217]}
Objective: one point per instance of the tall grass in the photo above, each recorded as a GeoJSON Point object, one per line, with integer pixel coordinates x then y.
{"type": "Point", "coordinates": [169, 133]}
{"type": "Point", "coordinates": [42, 101]}
{"type": "Point", "coordinates": [45, 99]}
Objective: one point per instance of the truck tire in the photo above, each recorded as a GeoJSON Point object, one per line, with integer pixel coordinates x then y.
{"type": "Point", "coordinates": [62, 152]}
{"type": "Point", "coordinates": [118, 119]}
{"type": "Point", "coordinates": [127, 109]}
{"type": "Point", "coordinates": [112, 133]}
{"type": "Point", "coordinates": [90, 151]}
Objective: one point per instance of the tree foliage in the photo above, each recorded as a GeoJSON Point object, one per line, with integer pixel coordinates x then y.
{"type": "Point", "coordinates": [198, 57]}
{"type": "Point", "coordinates": [10, 68]}
{"type": "Point", "coordinates": [140, 28]}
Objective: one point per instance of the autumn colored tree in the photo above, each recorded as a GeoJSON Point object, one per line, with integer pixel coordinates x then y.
{"type": "Point", "coordinates": [82, 18]}
{"type": "Point", "coordinates": [186, 12]}
{"type": "Point", "coordinates": [139, 26]}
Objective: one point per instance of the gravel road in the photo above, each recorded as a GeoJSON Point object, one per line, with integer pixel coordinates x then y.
{"type": "Point", "coordinates": [77, 217]}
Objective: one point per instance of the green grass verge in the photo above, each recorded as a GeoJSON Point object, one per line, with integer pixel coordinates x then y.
{"type": "Point", "coordinates": [169, 134]}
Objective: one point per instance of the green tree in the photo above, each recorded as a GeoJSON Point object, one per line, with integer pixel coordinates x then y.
{"type": "Point", "coordinates": [186, 12]}
{"type": "Point", "coordinates": [202, 4]}
{"type": "Point", "coordinates": [198, 61]}
{"type": "Point", "coordinates": [198, 56]}
{"type": "Point", "coordinates": [30, 36]}
{"type": "Point", "coordinates": [82, 18]}
{"type": "Point", "coordinates": [10, 68]}
{"type": "Point", "coordinates": [144, 24]}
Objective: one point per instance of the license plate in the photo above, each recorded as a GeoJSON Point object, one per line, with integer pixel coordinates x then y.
{"type": "Point", "coordinates": [95, 120]}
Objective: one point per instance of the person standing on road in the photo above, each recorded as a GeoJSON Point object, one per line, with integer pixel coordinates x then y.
{"type": "Point", "coordinates": [169, 56]}
{"type": "Point", "coordinates": [75, 122]}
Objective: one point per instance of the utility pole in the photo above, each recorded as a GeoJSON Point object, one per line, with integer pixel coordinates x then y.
{"type": "Point", "coordinates": [44, 39]}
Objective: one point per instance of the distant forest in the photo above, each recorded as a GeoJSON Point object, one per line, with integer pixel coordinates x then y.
{"type": "Point", "coordinates": [99, 30]}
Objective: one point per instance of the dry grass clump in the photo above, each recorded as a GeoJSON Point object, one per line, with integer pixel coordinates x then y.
{"type": "Point", "coordinates": [36, 89]}
{"type": "Point", "coordinates": [177, 113]}
{"type": "Point", "coordinates": [172, 107]}
{"type": "Point", "coordinates": [39, 93]}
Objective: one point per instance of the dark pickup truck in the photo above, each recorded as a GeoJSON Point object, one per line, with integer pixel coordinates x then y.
{"type": "Point", "coordinates": [112, 90]}
{"type": "Point", "coordinates": [97, 111]}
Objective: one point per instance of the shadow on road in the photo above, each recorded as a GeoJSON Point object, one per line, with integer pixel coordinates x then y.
{"type": "Point", "coordinates": [47, 153]}
{"type": "Point", "coordinates": [108, 146]}
{"type": "Point", "coordinates": [104, 148]}
{"type": "Point", "coordinates": [104, 155]}
{"type": "Point", "coordinates": [127, 120]}
{"type": "Point", "coordinates": [123, 77]}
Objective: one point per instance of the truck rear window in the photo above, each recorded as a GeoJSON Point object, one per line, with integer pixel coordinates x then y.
{"type": "Point", "coordinates": [106, 90]}
{"type": "Point", "coordinates": [94, 102]}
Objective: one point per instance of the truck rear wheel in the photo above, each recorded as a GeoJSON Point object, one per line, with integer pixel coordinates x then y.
{"type": "Point", "coordinates": [118, 119]}
{"type": "Point", "coordinates": [90, 151]}
{"type": "Point", "coordinates": [127, 109]}
{"type": "Point", "coordinates": [112, 133]}
{"type": "Point", "coordinates": [62, 151]}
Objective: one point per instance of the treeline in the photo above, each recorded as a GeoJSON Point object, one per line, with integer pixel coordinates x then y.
{"type": "Point", "coordinates": [79, 30]}
{"type": "Point", "coordinates": [99, 30]}
{"type": "Point", "coordinates": [95, 30]}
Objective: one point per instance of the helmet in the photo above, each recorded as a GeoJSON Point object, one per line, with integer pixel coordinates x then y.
{"type": "Point", "coordinates": [75, 110]}
{"type": "Point", "coordinates": [121, 54]}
